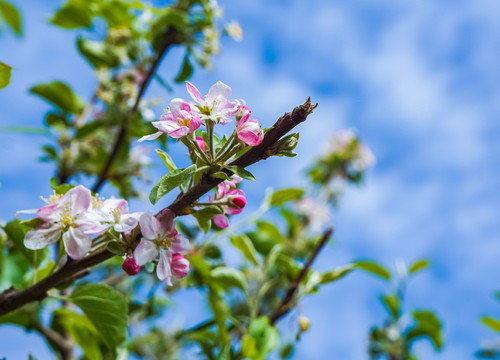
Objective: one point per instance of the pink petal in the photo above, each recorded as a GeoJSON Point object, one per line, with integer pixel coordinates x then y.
{"type": "Point", "coordinates": [195, 93]}
{"type": "Point", "coordinates": [194, 123]}
{"type": "Point", "coordinates": [76, 243]}
{"type": "Point", "coordinates": [180, 266]}
{"type": "Point", "coordinates": [221, 221]}
{"type": "Point", "coordinates": [218, 92]}
{"type": "Point", "coordinates": [145, 252]}
{"type": "Point", "coordinates": [250, 138]}
{"type": "Point", "coordinates": [201, 143]}
{"type": "Point", "coordinates": [127, 222]}
{"type": "Point", "coordinates": [77, 199]}
{"type": "Point", "coordinates": [180, 243]}
{"type": "Point", "coordinates": [180, 132]}
{"type": "Point", "coordinates": [163, 270]}
{"type": "Point", "coordinates": [166, 125]}
{"type": "Point", "coordinates": [130, 267]}
{"type": "Point", "coordinates": [150, 227]}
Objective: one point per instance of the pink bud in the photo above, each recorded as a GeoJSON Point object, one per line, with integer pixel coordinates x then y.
{"type": "Point", "coordinates": [239, 201]}
{"type": "Point", "coordinates": [180, 266]}
{"type": "Point", "coordinates": [201, 143]}
{"type": "Point", "coordinates": [130, 267]}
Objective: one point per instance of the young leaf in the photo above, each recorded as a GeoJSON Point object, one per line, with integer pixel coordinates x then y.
{"type": "Point", "coordinates": [238, 170]}
{"type": "Point", "coordinates": [374, 268]}
{"type": "Point", "coordinates": [72, 15]}
{"type": "Point", "coordinates": [243, 243]}
{"type": "Point", "coordinates": [185, 72]}
{"type": "Point", "coordinates": [282, 196]}
{"type": "Point", "coordinates": [98, 54]}
{"type": "Point", "coordinates": [492, 323]}
{"type": "Point", "coordinates": [418, 265]}
{"type": "Point", "coordinates": [59, 189]}
{"type": "Point", "coordinates": [221, 175]}
{"type": "Point", "coordinates": [335, 274]}
{"type": "Point", "coordinates": [204, 217]}
{"type": "Point", "coordinates": [166, 159]}
{"type": "Point", "coordinates": [228, 277]}
{"type": "Point", "coordinates": [5, 73]}
{"type": "Point", "coordinates": [11, 16]}
{"type": "Point", "coordinates": [169, 182]}
{"type": "Point", "coordinates": [391, 302]}
{"type": "Point", "coordinates": [106, 308]}
{"type": "Point", "coordinates": [59, 94]}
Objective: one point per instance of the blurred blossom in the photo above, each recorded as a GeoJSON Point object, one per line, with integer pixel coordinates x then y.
{"type": "Point", "coordinates": [139, 155]}
{"type": "Point", "coordinates": [234, 30]}
{"type": "Point", "coordinates": [316, 210]}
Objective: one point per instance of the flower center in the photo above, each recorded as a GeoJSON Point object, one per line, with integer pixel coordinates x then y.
{"type": "Point", "coordinates": [164, 242]}
{"type": "Point", "coordinates": [67, 220]}
{"type": "Point", "coordinates": [116, 214]}
{"type": "Point", "coordinates": [184, 122]}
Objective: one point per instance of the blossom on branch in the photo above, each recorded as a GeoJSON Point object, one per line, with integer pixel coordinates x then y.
{"type": "Point", "coordinates": [161, 241]}
{"type": "Point", "coordinates": [249, 131]}
{"type": "Point", "coordinates": [234, 201]}
{"type": "Point", "coordinates": [60, 217]}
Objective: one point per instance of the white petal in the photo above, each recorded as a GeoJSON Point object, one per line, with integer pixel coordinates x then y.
{"type": "Point", "coordinates": [77, 199]}
{"type": "Point", "coordinates": [163, 270]}
{"type": "Point", "coordinates": [76, 243]}
{"type": "Point", "coordinates": [127, 222]}
{"type": "Point", "coordinates": [44, 235]}
{"type": "Point", "coordinates": [145, 252]}
{"type": "Point", "coordinates": [219, 91]}
{"type": "Point", "coordinates": [150, 227]}
{"type": "Point", "coordinates": [154, 136]}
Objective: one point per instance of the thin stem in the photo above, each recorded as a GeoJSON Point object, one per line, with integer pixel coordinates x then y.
{"type": "Point", "coordinates": [210, 136]}
{"type": "Point", "coordinates": [285, 307]}
{"type": "Point", "coordinates": [225, 147]}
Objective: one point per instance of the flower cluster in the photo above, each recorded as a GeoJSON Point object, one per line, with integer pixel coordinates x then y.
{"type": "Point", "coordinates": [231, 201]}
{"type": "Point", "coordinates": [182, 118]}
{"type": "Point", "coordinates": [84, 222]}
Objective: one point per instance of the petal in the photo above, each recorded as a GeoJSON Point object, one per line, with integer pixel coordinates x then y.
{"type": "Point", "coordinates": [76, 243]}
{"type": "Point", "coordinates": [163, 268]}
{"type": "Point", "coordinates": [180, 243]}
{"type": "Point", "coordinates": [127, 222]}
{"type": "Point", "coordinates": [194, 123]}
{"type": "Point", "coordinates": [180, 132]}
{"type": "Point", "coordinates": [150, 227]}
{"type": "Point", "coordinates": [154, 136]}
{"type": "Point", "coordinates": [250, 138]}
{"type": "Point", "coordinates": [177, 104]}
{"type": "Point", "coordinates": [77, 199]}
{"type": "Point", "coordinates": [195, 93]}
{"type": "Point", "coordinates": [45, 234]}
{"type": "Point", "coordinates": [217, 92]}
{"type": "Point", "coordinates": [167, 125]}
{"type": "Point", "coordinates": [221, 221]}
{"type": "Point", "coordinates": [145, 252]}
{"type": "Point", "coordinates": [180, 266]}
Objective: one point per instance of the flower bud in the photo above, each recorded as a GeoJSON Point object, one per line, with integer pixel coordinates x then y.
{"type": "Point", "coordinates": [242, 112]}
{"type": "Point", "coordinates": [180, 266]}
{"type": "Point", "coordinates": [304, 323]}
{"type": "Point", "coordinates": [238, 201]}
{"type": "Point", "coordinates": [201, 143]}
{"type": "Point", "coordinates": [130, 267]}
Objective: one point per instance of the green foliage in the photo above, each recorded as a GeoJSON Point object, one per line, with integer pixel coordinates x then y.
{"type": "Point", "coordinates": [98, 54]}
{"type": "Point", "coordinates": [167, 160]}
{"type": "Point", "coordinates": [170, 181]}
{"type": "Point", "coordinates": [186, 70]}
{"type": "Point", "coordinates": [107, 310]}
{"type": "Point", "coordinates": [427, 325]}
{"type": "Point", "coordinates": [58, 94]}
{"type": "Point", "coordinates": [418, 265]}
{"type": "Point", "coordinates": [11, 16]}
{"type": "Point", "coordinates": [5, 74]}
{"type": "Point", "coordinates": [491, 322]}
{"type": "Point", "coordinates": [204, 217]}
{"type": "Point", "coordinates": [282, 196]}
{"type": "Point", "coordinates": [74, 14]}
{"type": "Point", "coordinates": [228, 277]}
{"type": "Point", "coordinates": [16, 231]}
{"type": "Point", "coordinates": [261, 339]}
{"type": "Point", "coordinates": [243, 243]}
{"type": "Point", "coordinates": [244, 174]}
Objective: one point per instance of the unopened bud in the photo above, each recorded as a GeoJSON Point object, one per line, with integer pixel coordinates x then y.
{"type": "Point", "coordinates": [304, 323]}
{"type": "Point", "coordinates": [130, 267]}
{"type": "Point", "coordinates": [238, 201]}
{"type": "Point", "coordinates": [180, 266]}
{"type": "Point", "coordinates": [243, 111]}
{"type": "Point", "coordinates": [285, 146]}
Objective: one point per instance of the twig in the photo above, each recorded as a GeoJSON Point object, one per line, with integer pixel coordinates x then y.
{"type": "Point", "coordinates": [12, 299]}
{"type": "Point", "coordinates": [169, 39]}
{"type": "Point", "coordinates": [285, 307]}
{"type": "Point", "coordinates": [63, 345]}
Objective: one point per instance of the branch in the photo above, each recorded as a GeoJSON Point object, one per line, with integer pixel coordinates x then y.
{"type": "Point", "coordinates": [11, 299]}
{"type": "Point", "coordinates": [286, 305]}
{"type": "Point", "coordinates": [169, 39]}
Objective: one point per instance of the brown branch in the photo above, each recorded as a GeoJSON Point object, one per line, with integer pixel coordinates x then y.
{"type": "Point", "coordinates": [286, 303]}
{"type": "Point", "coordinates": [62, 345]}
{"type": "Point", "coordinates": [11, 299]}
{"type": "Point", "coordinates": [169, 39]}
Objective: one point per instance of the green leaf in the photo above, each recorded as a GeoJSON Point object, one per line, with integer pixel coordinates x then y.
{"type": "Point", "coordinates": [16, 231]}
{"type": "Point", "coordinates": [116, 13]}
{"type": "Point", "coordinates": [228, 277]}
{"type": "Point", "coordinates": [59, 189]}
{"type": "Point", "coordinates": [243, 243]}
{"type": "Point", "coordinates": [5, 74]}
{"type": "Point", "coordinates": [335, 274]}
{"type": "Point", "coordinates": [115, 248]}
{"type": "Point", "coordinates": [185, 72]}
{"type": "Point", "coordinates": [238, 170]}
{"type": "Point", "coordinates": [166, 159]}
{"type": "Point", "coordinates": [428, 325]}
{"type": "Point", "coordinates": [81, 330]}
{"type": "Point", "coordinates": [282, 196]}
{"type": "Point", "coordinates": [74, 14]}
{"type": "Point", "coordinates": [11, 16]}
{"type": "Point", "coordinates": [374, 268]}
{"type": "Point", "coordinates": [106, 308]}
{"type": "Point", "coordinates": [98, 54]}
{"type": "Point", "coordinates": [269, 229]}
{"type": "Point", "coordinates": [391, 302]}
{"type": "Point", "coordinates": [59, 94]}
{"type": "Point", "coordinates": [221, 312]}
{"type": "Point", "coordinates": [418, 265]}
{"type": "Point", "coordinates": [169, 182]}
{"type": "Point", "coordinates": [204, 216]}
{"type": "Point", "coordinates": [221, 175]}
{"type": "Point", "coordinates": [492, 323]}
{"type": "Point", "coordinates": [265, 336]}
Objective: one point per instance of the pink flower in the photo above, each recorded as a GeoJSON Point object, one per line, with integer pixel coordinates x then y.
{"type": "Point", "coordinates": [106, 214]}
{"type": "Point", "coordinates": [160, 241]}
{"type": "Point", "coordinates": [249, 131]}
{"type": "Point", "coordinates": [216, 105]}
{"type": "Point", "coordinates": [61, 216]}
{"type": "Point", "coordinates": [227, 192]}
{"type": "Point", "coordinates": [201, 143]}
{"type": "Point", "coordinates": [180, 266]}
{"type": "Point", "coordinates": [130, 267]}
{"type": "Point", "coordinates": [179, 121]}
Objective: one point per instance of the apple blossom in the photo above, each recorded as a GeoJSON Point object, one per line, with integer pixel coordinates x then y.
{"type": "Point", "coordinates": [160, 241]}
{"type": "Point", "coordinates": [235, 198]}
{"type": "Point", "coordinates": [130, 267]}
{"type": "Point", "coordinates": [249, 131]}
{"type": "Point", "coordinates": [177, 122]}
{"type": "Point", "coordinates": [61, 216]}
{"type": "Point", "coordinates": [216, 105]}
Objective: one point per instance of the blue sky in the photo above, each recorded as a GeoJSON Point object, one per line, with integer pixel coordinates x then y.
{"type": "Point", "coordinates": [420, 82]}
